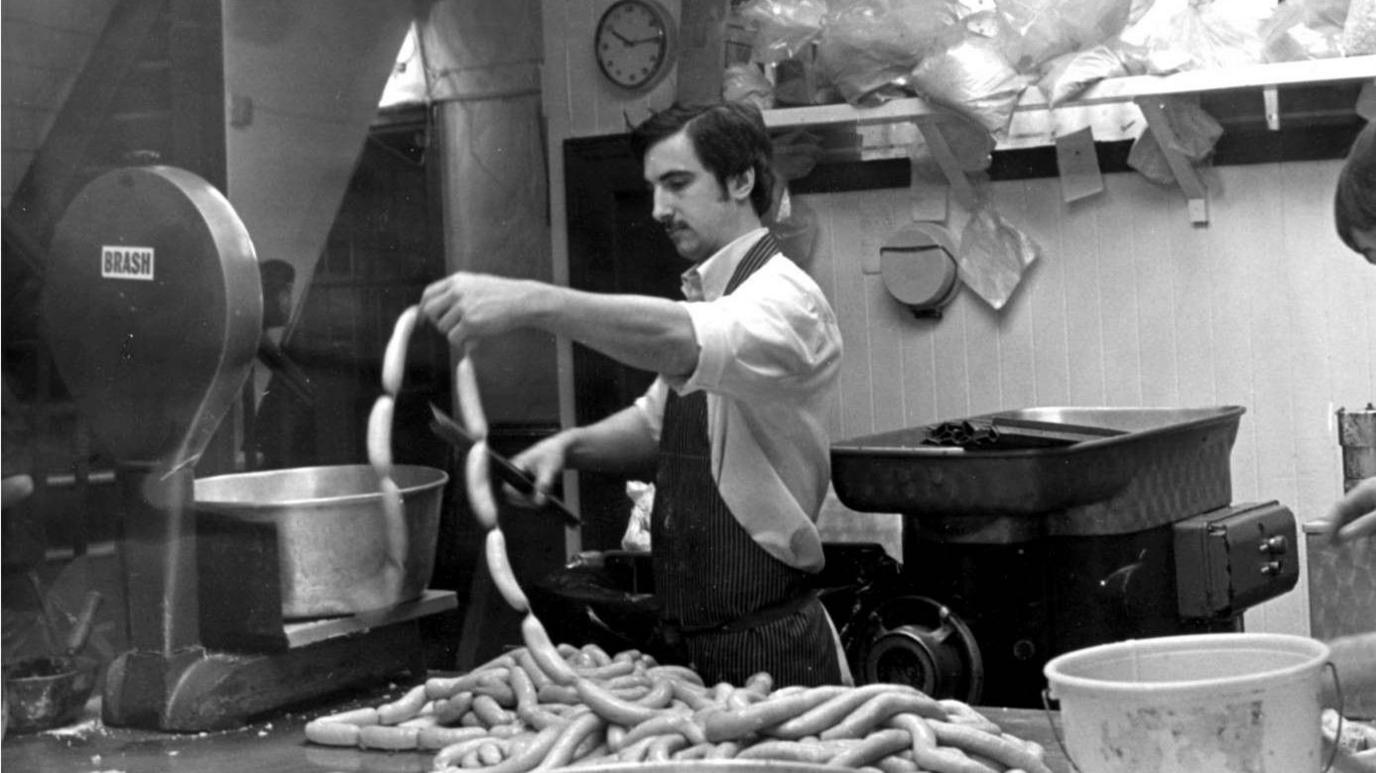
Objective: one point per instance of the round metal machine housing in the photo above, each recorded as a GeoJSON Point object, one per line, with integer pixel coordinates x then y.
{"type": "Point", "coordinates": [153, 309]}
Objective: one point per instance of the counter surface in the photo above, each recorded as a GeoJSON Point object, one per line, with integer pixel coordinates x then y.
{"type": "Point", "coordinates": [279, 746]}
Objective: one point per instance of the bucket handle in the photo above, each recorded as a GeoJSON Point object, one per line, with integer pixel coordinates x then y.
{"type": "Point", "coordinates": [1332, 754]}
{"type": "Point", "coordinates": [1338, 734]}
{"type": "Point", "coordinates": [1055, 731]}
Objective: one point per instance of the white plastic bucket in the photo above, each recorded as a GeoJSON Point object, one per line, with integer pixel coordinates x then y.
{"type": "Point", "coordinates": [1224, 703]}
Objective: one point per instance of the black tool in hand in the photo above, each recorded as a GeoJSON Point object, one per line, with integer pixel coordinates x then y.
{"type": "Point", "coordinates": [448, 429]}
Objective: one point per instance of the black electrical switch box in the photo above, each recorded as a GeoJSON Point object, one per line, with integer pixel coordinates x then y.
{"type": "Point", "coordinates": [1235, 557]}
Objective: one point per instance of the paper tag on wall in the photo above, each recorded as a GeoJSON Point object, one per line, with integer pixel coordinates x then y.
{"type": "Point", "coordinates": [1078, 164]}
{"type": "Point", "coordinates": [930, 199]}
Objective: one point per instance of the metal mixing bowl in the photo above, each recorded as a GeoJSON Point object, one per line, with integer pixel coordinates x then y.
{"type": "Point", "coordinates": [331, 535]}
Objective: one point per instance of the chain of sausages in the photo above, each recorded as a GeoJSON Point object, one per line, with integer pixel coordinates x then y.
{"type": "Point", "coordinates": [541, 705]}
{"type": "Point", "coordinates": [379, 447]}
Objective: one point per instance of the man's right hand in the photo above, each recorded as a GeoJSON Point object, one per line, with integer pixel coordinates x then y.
{"type": "Point", "coordinates": [544, 462]}
{"type": "Point", "coordinates": [467, 307]}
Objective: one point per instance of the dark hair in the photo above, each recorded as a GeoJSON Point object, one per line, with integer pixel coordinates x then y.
{"type": "Point", "coordinates": [1354, 201]}
{"type": "Point", "coordinates": [729, 138]}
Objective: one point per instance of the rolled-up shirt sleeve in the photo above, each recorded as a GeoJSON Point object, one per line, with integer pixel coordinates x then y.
{"type": "Point", "coordinates": [772, 336]}
{"type": "Point", "coordinates": [651, 406]}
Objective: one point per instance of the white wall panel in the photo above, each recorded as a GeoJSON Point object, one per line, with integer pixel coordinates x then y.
{"type": "Point", "coordinates": [1130, 304]}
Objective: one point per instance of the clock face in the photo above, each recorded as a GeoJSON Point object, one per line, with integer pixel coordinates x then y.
{"type": "Point", "coordinates": [633, 43]}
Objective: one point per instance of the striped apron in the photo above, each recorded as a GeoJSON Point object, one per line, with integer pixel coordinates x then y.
{"type": "Point", "coordinates": [728, 608]}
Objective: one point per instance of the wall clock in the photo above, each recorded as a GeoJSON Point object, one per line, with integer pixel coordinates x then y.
{"type": "Point", "coordinates": [634, 43]}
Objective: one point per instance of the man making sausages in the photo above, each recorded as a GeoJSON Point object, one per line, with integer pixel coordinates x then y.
{"type": "Point", "coordinates": [734, 423]}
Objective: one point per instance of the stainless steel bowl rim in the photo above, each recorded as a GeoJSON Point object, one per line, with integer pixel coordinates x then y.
{"type": "Point", "coordinates": [441, 478]}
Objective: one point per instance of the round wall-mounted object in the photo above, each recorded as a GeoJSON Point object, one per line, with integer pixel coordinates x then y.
{"type": "Point", "coordinates": [918, 266]}
{"type": "Point", "coordinates": [634, 43]}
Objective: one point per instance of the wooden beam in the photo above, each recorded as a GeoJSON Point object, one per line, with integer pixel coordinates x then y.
{"type": "Point", "coordinates": [56, 173]}
{"type": "Point", "coordinates": [702, 51]}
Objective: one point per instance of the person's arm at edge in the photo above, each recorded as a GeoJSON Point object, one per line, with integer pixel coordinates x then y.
{"type": "Point", "coordinates": [1354, 515]}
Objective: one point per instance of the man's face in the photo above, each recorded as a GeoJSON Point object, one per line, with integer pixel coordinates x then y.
{"type": "Point", "coordinates": [697, 212]}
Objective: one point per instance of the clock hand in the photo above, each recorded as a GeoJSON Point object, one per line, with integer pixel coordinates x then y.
{"type": "Point", "coordinates": [625, 41]}
{"type": "Point", "coordinates": [642, 40]}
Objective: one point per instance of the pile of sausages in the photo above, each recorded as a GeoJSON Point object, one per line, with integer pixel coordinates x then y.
{"type": "Point", "coordinates": [543, 706]}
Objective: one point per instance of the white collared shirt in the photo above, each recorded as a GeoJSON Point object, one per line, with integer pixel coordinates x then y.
{"type": "Point", "coordinates": [769, 359]}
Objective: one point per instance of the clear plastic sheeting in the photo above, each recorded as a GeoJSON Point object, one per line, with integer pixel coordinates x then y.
{"type": "Point", "coordinates": [1047, 29]}
{"type": "Point", "coordinates": [1177, 35]}
{"type": "Point", "coordinates": [972, 76]}
{"type": "Point", "coordinates": [1195, 134]}
{"type": "Point", "coordinates": [870, 47]}
{"type": "Point", "coordinates": [784, 28]}
{"type": "Point", "coordinates": [994, 255]}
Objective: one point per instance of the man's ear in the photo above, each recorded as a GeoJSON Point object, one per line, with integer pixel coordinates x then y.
{"type": "Point", "coordinates": [739, 186]}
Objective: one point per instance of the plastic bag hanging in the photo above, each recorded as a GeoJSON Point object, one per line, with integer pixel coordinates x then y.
{"type": "Point", "coordinates": [994, 255]}
{"type": "Point", "coordinates": [1196, 133]}
{"type": "Point", "coordinates": [972, 75]}
{"type": "Point", "coordinates": [870, 47]}
{"type": "Point", "coordinates": [783, 28]}
{"type": "Point", "coordinates": [1051, 28]}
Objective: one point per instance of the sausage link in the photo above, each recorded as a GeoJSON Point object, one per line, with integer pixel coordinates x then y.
{"type": "Point", "coordinates": [694, 752]}
{"type": "Point", "coordinates": [489, 754]}
{"type": "Point", "coordinates": [502, 574]}
{"type": "Point", "coordinates": [450, 710]}
{"type": "Point", "coordinates": [364, 716]}
{"type": "Point", "coordinates": [599, 656]}
{"type": "Point", "coordinates": [394, 356]}
{"type": "Point", "coordinates": [448, 687]}
{"type": "Point", "coordinates": [661, 748]}
{"type": "Point", "coordinates": [438, 737]}
{"type": "Point", "coordinates": [607, 705]}
{"type": "Point", "coordinates": [896, 764]}
{"type": "Point", "coordinates": [608, 670]}
{"type": "Point", "coordinates": [962, 713]}
{"type": "Point", "coordinates": [636, 752]}
{"type": "Point", "coordinates": [872, 748]}
{"type": "Point", "coordinates": [574, 733]}
{"type": "Point", "coordinates": [489, 711]}
{"type": "Point", "coordinates": [388, 737]}
{"type": "Point", "coordinates": [470, 399]}
{"type": "Point", "coordinates": [379, 437]}
{"type": "Point", "coordinates": [394, 521]}
{"type": "Point", "coordinates": [558, 693]}
{"type": "Point", "coordinates": [523, 689]}
{"type": "Point", "coordinates": [859, 722]}
{"type": "Point", "coordinates": [500, 690]}
{"type": "Point", "coordinates": [1009, 753]}
{"type": "Point", "coordinates": [761, 682]}
{"type": "Point", "coordinates": [403, 708]}
{"type": "Point", "coordinates": [332, 733]}
{"type": "Point", "coordinates": [682, 673]}
{"type": "Point", "coordinates": [695, 697]}
{"type": "Point", "coordinates": [537, 676]}
{"type": "Point", "coordinates": [672, 722]}
{"type": "Point", "coordinates": [626, 681]}
{"type": "Point", "coordinates": [661, 692]}
{"type": "Point", "coordinates": [476, 469]}
{"type": "Point", "coordinates": [455, 752]}
{"type": "Point", "coordinates": [723, 751]}
{"type": "Point", "coordinates": [593, 745]}
{"type": "Point", "coordinates": [827, 714]}
{"type": "Point", "coordinates": [727, 725]}
{"type": "Point", "coordinates": [546, 656]}
{"type": "Point", "coordinates": [792, 751]}
{"type": "Point", "coordinates": [948, 759]}
{"type": "Point", "coordinates": [530, 754]}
